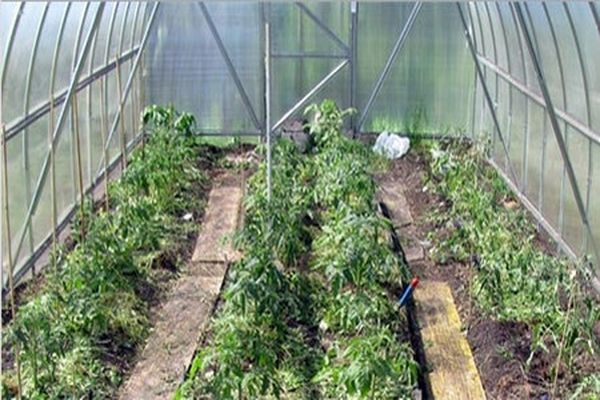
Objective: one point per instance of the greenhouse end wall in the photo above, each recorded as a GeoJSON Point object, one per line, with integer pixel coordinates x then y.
{"type": "Point", "coordinates": [208, 58]}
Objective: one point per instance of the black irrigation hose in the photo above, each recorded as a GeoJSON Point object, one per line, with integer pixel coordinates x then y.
{"type": "Point", "coordinates": [414, 332]}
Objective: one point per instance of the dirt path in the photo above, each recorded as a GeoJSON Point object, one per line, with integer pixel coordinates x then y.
{"type": "Point", "coordinates": [188, 308]}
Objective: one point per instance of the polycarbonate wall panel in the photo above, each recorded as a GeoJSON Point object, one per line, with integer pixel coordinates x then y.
{"type": "Point", "coordinates": [46, 45]}
{"type": "Point", "coordinates": [566, 40]}
{"type": "Point", "coordinates": [187, 70]}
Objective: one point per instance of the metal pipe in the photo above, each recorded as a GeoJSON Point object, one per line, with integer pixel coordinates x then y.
{"type": "Point", "coordinates": [57, 130]}
{"type": "Point", "coordinates": [130, 78]}
{"type": "Point", "coordinates": [340, 43]}
{"type": "Point", "coordinates": [495, 52]}
{"type": "Point", "coordinates": [11, 281]}
{"type": "Point", "coordinates": [268, 130]}
{"type": "Point", "coordinates": [14, 128]}
{"type": "Point", "coordinates": [388, 65]}
{"type": "Point", "coordinates": [353, 59]}
{"type": "Point", "coordinates": [109, 37]}
{"type": "Point", "coordinates": [308, 55]}
{"type": "Point", "coordinates": [510, 91]}
{"type": "Point", "coordinates": [595, 15]}
{"type": "Point", "coordinates": [484, 86]}
{"type": "Point", "coordinates": [557, 132]}
{"type": "Point", "coordinates": [25, 143]}
{"type": "Point", "coordinates": [9, 44]}
{"type": "Point", "coordinates": [77, 172]}
{"type": "Point", "coordinates": [568, 118]}
{"type": "Point", "coordinates": [21, 272]}
{"type": "Point", "coordinates": [584, 77]}
{"type": "Point", "coordinates": [309, 95]}
{"type": "Point", "coordinates": [230, 67]}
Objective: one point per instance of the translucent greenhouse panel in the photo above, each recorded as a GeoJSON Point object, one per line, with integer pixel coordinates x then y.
{"type": "Point", "coordinates": [594, 200]}
{"type": "Point", "coordinates": [533, 162]}
{"type": "Point", "coordinates": [498, 34]}
{"type": "Point", "coordinates": [431, 76]}
{"type": "Point", "coordinates": [294, 31]}
{"type": "Point", "coordinates": [288, 89]}
{"type": "Point", "coordinates": [552, 178]}
{"type": "Point", "coordinates": [572, 72]}
{"type": "Point", "coordinates": [186, 69]}
{"type": "Point", "coordinates": [246, 55]}
{"type": "Point", "coordinates": [378, 28]}
{"type": "Point", "coordinates": [551, 56]}
{"type": "Point", "coordinates": [587, 32]}
{"type": "Point", "coordinates": [14, 79]}
{"type": "Point", "coordinates": [578, 148]}
{"type": "Point", "coordinates": [516, 52]}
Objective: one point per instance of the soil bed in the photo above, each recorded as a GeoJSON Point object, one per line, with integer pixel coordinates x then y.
{"type": "Point", "coordinates": [501, 349]}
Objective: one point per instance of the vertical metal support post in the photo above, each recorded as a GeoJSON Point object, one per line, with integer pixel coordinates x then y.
{"type": "Point", "coordinates": [390, 61]}
{"type": "Point", "coordinates": [268, 106]}
{"type": "Point", "coordinates": [57, 130]}
{"type": "Point", "coordinates": [557, 131]}
{"type": "Point", "coordinates": [485, 89]}
{"type": "Point", "coordinates": [353, 59]}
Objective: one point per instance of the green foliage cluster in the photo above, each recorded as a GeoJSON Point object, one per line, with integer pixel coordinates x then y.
{"type": "Point", "coordinates": [364, 358]}
{"type": "Point", "coordinates": [514, 279]}
{"type": "Point", "coordinates": [93, 301]}
{"type": "Point", "coordinates": [291, 327]}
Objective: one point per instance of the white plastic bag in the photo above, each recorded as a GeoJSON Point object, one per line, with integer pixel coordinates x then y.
{"type": "Point", "coordinates": [391, 145]}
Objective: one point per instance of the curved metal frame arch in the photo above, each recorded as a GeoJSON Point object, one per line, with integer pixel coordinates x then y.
{"type": "Point", "coordinates": [26, 99]}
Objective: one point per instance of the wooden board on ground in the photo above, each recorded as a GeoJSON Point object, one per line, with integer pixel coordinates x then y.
{"type": "Point", "coordinates": [188, 308]}
{"type": "Point", "coordinates": [451, 370]}
{"type": "Point", "coordinates": [214, 242]}
{"type": "Point", "coordinates": [392, 194]}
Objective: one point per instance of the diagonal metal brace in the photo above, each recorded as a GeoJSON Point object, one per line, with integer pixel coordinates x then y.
{"type": "Point", "coordinates": [339, 42]}
{"type": "Point", "coordinates": [486, 92]}
{"type": "Point", "coordinates": [230, 68]}
{"type": "Point", "coordinates": [557, 132]}
{"type": "Point", "coordinates": [390, 61]}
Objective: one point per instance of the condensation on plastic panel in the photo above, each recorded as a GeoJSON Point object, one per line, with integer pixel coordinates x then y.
{"type": "Point", "coordinates": [185, 68]}
{"type": "Point", "coordinates": [432, 74]}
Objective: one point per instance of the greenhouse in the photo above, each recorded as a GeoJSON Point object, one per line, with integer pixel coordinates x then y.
{"type": "Point", "coordinates": [300, 200]}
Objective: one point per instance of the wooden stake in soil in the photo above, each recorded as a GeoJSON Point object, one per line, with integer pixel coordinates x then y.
{"type": "Point", "coordinates": [53, 183]}
{"type": "Point", "coordinates": [103, 129]}
{"type": "Point", "coordinates": [123, 139]}
{"type": "Point", "coordinates": [11, 283]}
{"type": "Point", "coordinates": [79, 170]}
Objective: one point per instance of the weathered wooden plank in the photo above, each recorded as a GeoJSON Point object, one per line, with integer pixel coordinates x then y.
{"type": "Point", "coordinates": [392, 194]}
{"type": "Point", "coordinates": [452, 373]}
{"type": "Point", "coordinates": [218, 226]}
{"type": "Point", "coordinates": [187, 310]}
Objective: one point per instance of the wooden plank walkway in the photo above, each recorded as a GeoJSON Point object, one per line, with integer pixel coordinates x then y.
{"type": "Point", "coordinates": [187, 310]}
{"type": "Point", "coordinates": [451, 370]}
{"type": "Point", "coordinates": [451, 373]}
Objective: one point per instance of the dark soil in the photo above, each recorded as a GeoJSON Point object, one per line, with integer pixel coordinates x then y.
{"type": "Point", "coordinates": [118, 352]}
{"type": "Point", "coordinates": [500, 349]}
